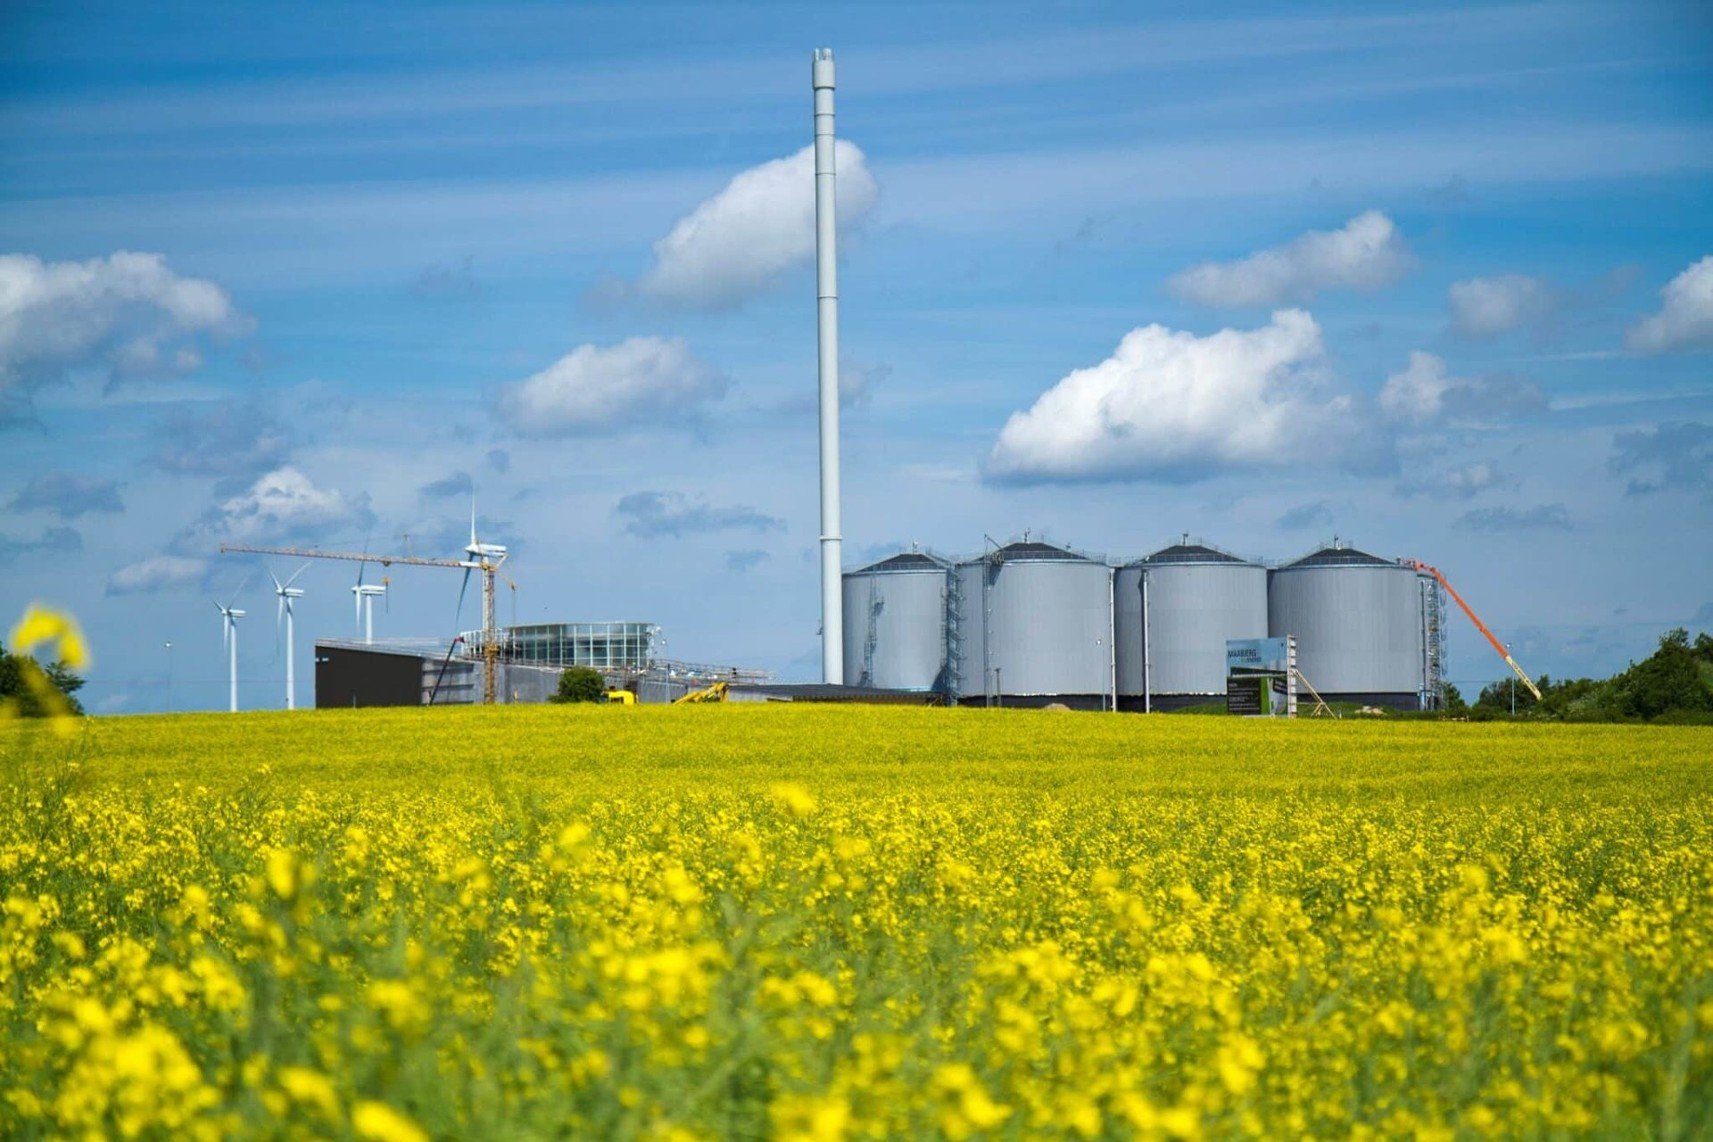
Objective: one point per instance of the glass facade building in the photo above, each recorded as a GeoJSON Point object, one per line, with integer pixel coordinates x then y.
{"type": "Point", "coordinates": [603, 646]}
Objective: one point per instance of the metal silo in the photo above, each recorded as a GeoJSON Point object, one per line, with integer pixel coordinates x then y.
{"type": "Point", "coordinates": [1175, 610]}
{"type": "Point", "coordinates": [895, 623]}
{"type": "Point", "coordinates": [1359, 622]}
{"type": "Point", "coordinates": [1034, 625]}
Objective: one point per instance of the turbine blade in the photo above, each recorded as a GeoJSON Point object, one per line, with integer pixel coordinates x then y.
{"type": "Point", "coordinates": [458, 614]}
{"type": "Point", "coordinates": [278, 586]}
{"type": "Point", "coordinates": [296, 573]}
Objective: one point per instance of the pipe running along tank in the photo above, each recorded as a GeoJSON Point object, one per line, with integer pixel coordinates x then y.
{"type": "Point", "coordinates": [1175, 610]}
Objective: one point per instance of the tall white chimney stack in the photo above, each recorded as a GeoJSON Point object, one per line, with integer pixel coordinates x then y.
{"type": "Point", "coordinates": [827, 324]}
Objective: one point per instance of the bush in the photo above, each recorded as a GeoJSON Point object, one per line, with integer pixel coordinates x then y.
{"type": "Point", "coordinates": [580, 684]}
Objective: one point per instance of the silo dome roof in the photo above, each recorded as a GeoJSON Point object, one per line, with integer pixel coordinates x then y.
{"type": "Point", "coordinates": [905, 561]}
{"type": "Point", "coordinates": [1036, 551]}
{"type": "Point", "coordinates": [1341, 557]}
{"type": "Point", "coordinates": [1190, 553]}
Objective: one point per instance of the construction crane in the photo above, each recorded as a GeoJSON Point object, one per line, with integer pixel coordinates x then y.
{"type": "Point", "coordinates": [483, 557]}
{"type": "Point", "coordinates": [1480, 626]}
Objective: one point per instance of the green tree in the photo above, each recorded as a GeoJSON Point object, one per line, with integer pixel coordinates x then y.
{"type": "Point", "coordinates": [1455, 706]}
{"type": "Point", "coordinates": [1670, 681]}
{"type": "Point", "coordinates": [15, 688]}
{"type": "Point", "coordinates": [580, 684]}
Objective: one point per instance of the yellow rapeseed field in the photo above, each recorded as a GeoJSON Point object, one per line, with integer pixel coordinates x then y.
{"type": "Point", "coordinates": [820, 922]}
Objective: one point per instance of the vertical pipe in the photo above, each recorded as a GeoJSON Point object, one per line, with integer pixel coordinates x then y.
{"type": "Point", "coordinates": [1147, 659]}
{"type": "Point", "coordinates": [1112, 636]}
{"type": "Point", "coordinates": [827, 327]}
{"type": "Point", "coordinates": [291, 674]}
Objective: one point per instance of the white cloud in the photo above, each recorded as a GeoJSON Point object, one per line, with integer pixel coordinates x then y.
{"type": "Point", "coordinates": [127, 314]}
{"type": "Point", "coordinates": [762, 224]}
{"type": "Point", "coordinates": [1483, 307]}
{"type": "Point", "coordinates": [282, 506]}
{"type": "Point", "coordinates": [650, 515]}
{"type": "Point", "coordinates": [1685, 321]}
{"type": "Point", "coordinates": [593, 388]}
{"type": "Point", "coordinates": [1464, 482]}
{"type": "Point", "coordinates": [1366, 254]}
{"type": "Point", "coordinates": [1171, 405]}
{"type": "Point", "coordinates": [156, 573]}
{"type": "Point", "coordinates": [1425, 393]}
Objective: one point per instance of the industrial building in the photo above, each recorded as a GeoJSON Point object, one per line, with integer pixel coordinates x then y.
{"type": "Point", "coordinates": [1031, 623]}
{"type": "Point", "coordinates": [529, 660]}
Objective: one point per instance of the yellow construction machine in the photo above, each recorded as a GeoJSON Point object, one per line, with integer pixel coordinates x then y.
{"type": "Point", "coordinates": [714, 693]}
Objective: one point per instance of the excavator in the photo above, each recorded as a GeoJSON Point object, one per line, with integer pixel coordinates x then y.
{"type": "Point", "coordinates": [1522, 675]}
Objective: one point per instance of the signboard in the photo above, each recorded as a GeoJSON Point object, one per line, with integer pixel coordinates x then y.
{"type": "Point", "coordinates": [1261, 677]}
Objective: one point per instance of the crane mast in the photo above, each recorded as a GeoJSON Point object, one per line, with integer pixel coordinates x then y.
{"type": "Point", "coordinates": [1498, 646]}
{"type": "Point", "coordinates": [485, 558]}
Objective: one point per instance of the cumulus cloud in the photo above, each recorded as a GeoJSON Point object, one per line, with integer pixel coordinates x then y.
{"type": "Point", "coordinates": [1543, 517]}
{"type": "Point", "coordinates": [1366, 254]}
{"type": "Point", "coordinates": [746, 560]}
{"type": "Point", "coordinates": [1304, 516]}
{"type": "Point", "coordinates": [447, 281]}
{"type": "Point", "coordinates": [127, 314]}
{"type": "Point", "coordinates": [499, 460]}
{"type": "Point", "coordinates": [650, 515]}
{"type": "Point", "coordinates": [233, 442]}
{"type": "Point", "coordinates": [595, 388]}
{"type": "Point", "coordinates": [743, 239]}
{"type": "Point", "coordinates": [68, 495]}
{"type": "Point", "coordinates": [1464, 482]}
{"type": "Point", "coordinates": [1685, 320]}
{"type": "Point", "coordinates": [52, 541]}
{"type": "Point", "coordinates": [457, 484]}
{"type": "Point", "coordinates": [1484, 307]}
{"type": "Point", "coordinates": [1665, 457]}
{"type": "Point", "coordinates": [1425, 393]}
{"type": "Point", "coordinates": [284, 506]}
{"type": "Point", "coordinates": [1170, 405]}
{"type": "Point", "coordinates": [156, 573]}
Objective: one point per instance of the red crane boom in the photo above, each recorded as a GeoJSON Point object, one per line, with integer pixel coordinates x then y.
{"type": "Point", "coordinates": [1498, 646]}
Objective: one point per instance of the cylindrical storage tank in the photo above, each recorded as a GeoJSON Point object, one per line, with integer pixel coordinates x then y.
{"type": "Point", "coordinates": [1195, 598]}
{"type": "Point", "coordinates": [1359, 625]}
{"type": "Point", "coordinates": [895, 623]}
{"type": "Point", "coordinates": [1034, 626]}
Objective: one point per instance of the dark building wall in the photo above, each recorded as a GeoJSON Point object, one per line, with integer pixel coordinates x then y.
{"type": "Point", "coordinates": [346, 677]}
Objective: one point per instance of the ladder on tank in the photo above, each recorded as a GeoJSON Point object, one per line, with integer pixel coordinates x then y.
{"type": "Point", "coordinates": [954, 635]}
{"type": "Point", "coordinates": [876, 604]}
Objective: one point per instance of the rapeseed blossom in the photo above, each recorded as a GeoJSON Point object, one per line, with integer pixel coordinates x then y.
{"type": "Point", "coordinates": [843, 923]}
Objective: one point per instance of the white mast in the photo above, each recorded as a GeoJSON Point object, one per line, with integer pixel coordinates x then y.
{"type": "Point", "coordinates": [229, 617]}
{"type": "Point", "coordinates": [287, 595]}
{"type": "Point", "coordinates": [827, 325]}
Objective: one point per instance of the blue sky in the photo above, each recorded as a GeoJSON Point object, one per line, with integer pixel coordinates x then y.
{"type": "Point", "coordinates": [1432, 281]}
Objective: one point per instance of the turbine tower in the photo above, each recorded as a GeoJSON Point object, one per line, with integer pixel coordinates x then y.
{"type": "Point", "coordinates": [287, 594]}
{"type": "Point", "coordinates": [827, 327]}
{"type": "Point", "coordinates": [364, 595]}
{"type": "Point", "coordinates": [486, 558]}
{"type": "Point", "coordinates": [229, 638]}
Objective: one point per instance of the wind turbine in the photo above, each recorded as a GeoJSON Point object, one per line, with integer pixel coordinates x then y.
{"type": "Point", "coordinates": [229, 638]}
{"type": "Point", "coordinates": [287, 593]}
{"type": "Point", "coordinates": [486, 558]}
{"type": "Point", "coordinates": [363, 595]}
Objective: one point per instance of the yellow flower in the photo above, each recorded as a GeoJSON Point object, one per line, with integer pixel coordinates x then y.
{"type": "Point", "coordinates": [379, 1122]}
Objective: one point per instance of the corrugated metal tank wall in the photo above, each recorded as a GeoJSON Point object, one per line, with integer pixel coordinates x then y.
{"type": "Point", "coordinates": [1047, 627]}
{"type": "Point", "coordinates": [1198, 597]}
{"type": "Point", "coordinates": [895, 614]}
{"type": "Point", "coordinates": [1358, 622]}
